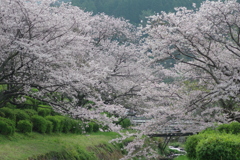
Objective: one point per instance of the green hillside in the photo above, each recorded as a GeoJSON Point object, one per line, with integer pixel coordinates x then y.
{"type": "Point", "coordinates": [133, 10]}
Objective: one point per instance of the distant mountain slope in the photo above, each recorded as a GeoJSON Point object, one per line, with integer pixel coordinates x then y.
{"type": "Point", "coordinates": [133, 10]}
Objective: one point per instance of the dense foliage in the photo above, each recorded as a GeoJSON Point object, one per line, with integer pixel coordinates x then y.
{"type": "Point", "coordinates": [24, 126]}
{"type": "Point", "coordinates": [7, 126]}
{"type": "Point", "coordinates": [27, 120]}
{"type": "Point", "coordinates": [214, 143]}
{"type": "Point", "coordinates": [215, 147]}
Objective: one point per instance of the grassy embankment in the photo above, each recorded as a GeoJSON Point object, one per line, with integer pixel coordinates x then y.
{"type": "Point", "coordinates": [37, 146]}
{"type": "Point", "coordinates": [183, 157]}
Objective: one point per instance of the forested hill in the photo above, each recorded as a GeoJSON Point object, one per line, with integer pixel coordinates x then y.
{"type": "Point", "coordinates": [133, 10]}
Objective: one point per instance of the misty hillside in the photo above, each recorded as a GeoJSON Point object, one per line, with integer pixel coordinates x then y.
{"type": "Point", "coordinates": [133, 10]}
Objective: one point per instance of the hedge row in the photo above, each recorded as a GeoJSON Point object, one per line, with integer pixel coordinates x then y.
{"type": "Point", "coordinates": [215, 144]}
{"type": "Point", "coordinates": [50, 124]}
{"type": "Point", "coordinates": [62, 124]}
{"type": "Point", "coordinates": [7, 126]}
{"type": "Point", "coordinates": [91, 127]}
{"type": "Point", "coordinates": [28, 120]}
{"type": "Point", "coordinates": [217, 147]}
{"type": "Point", "coordinates": [44, 110]}
{"type": "Point", "coordinates": [232, 128]}
{"type": "Point", "coordinates": [17, 114]}
{"type": "Point", "coordinates": [24, 126]}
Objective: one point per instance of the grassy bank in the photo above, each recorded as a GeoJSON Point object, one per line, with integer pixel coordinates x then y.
{"type": "Point", "coordinates": [21, 147]}
{"type": "Point", "coordinates": [184, 157]}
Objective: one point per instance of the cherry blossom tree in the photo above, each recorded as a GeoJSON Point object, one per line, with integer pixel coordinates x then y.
{"type": "Point", "coordinates": [67, 55]}
{"type": "Point", "coordinates": [62, 56]}
{"type": "Point", "coordinates": [35, 41]}
{"type": "Point", "coordinates": [204, 86]}
{"type": "Point", "coordinates": [205, 44]}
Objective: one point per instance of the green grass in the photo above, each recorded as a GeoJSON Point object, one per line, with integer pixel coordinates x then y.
{"type": "Point", "coordinates": [21, 147]}
{"type": "Point", "coordinates": [183, 157]}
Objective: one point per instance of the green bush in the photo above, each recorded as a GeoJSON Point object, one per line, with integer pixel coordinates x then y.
{"type": "Point", "coordinates": [21, 115]}
{"type": "Point", "coordinates": [39, 124]}
{"type": "Point", "coordinates": [191, 144]}
{"type": "Point", "coordinates": [7, 126]}
{"type": "Point", "coordinates": [9, 113]}
{"type": "Point", "coordinates": [95, 127]}
{"type": "Point", "coordinates": [77, 127]}
{"type": "Point", "coordinates": [217, 147]}
{"type": "Point", "coordinates": [67, 125]}
{"type": "Point", "coordinates": [44, 110]}
{"type": "Point", "coordinates": [10, 105]}
{"type": "Point", "coordinates": [224, 128]}
{"type": "Point", "coordinates": [125, 123]}
{"type": "Point", "coordinates": [56, 121]}
{"type": "Point", "coordinates": [49, 127]}
{"type": "Point", "coordinates": [233, 128]}
{"type": "Point", "coordinates": [2, 114]}
{"type": "Point", "coordinates": [24, 126]}
{"type": "Point", "coordinates": [31, 112]}
{"type": "Point", "coordinates": [89, 127]}
{"type": "Point", "coordinates": [62, 120]}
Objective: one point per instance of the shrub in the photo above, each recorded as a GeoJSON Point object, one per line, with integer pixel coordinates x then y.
{"type": "Point", "coordinates": [44, 110]}
{"type": "Point", "coordinates": [7, 126]}
{"type": "Point", "coordinates": [217, 147]}
{"type": "Point", "coordinates": [10, 105]}
{"type": "Point", "coordinates": [49, 127]}
{"type": "Point", "coordinates": [233, 128]}
{"type": "Point", "coordinates": [125, 123]}
{"type": "Point", "coordinates": [9, 113]}
{"type": "Point", "coordinates": [39, 124]}
{"type": "Point", "coordinates": [95, 127]}
{"type": "Point", "coordinates": [56, 121]}
{"type": "Point", "coordinates": [224, 128]}
{"type": "Point", "coordinates": [89, 127]}
{"type": "Point", "coordinates": [77, 127]}
{"type": "Point", "coordinates": [24, 126]}
{"type": "Point", "coordinates": [2, 114]}
{"type": "Point", "coordinates": [191, 144]}
{"type": "Point", "coordinates": [62, 120]}
{"type": "Point", "coordinates": [21, 115]}
{"type": "Point", "coordinates": [67, 125]}
{"type": "Point", "coordinates": [31, 112]}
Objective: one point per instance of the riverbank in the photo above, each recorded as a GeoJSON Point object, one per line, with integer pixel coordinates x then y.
{"type": "Point", "coordinates": [37, 146]}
